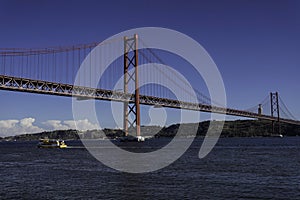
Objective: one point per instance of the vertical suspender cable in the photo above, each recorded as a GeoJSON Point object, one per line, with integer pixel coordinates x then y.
{"type": "Point", "coordinates": [4, 61]}
{"type": "Point", "coordinates": [38, 66]}
{"type": "Point", "coordinates": [84, 69]}
{"type": "Point", "coordinates": [54, 78]}
{"type": "Point", "coordinates": [73, 65]}
{"type": "Point", "coordinates": [67, 64]}
{"type": "Point", "coordinates": [90, 56]}
{"type": "Point", "coordinates": [78, 66]}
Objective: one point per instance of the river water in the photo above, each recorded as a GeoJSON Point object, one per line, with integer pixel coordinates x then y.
{"type": "Point", "coordinates": [237, 168]}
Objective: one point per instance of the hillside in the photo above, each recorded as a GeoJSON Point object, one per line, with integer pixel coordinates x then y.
{"type": "Point", "coordinates": [238, 128]}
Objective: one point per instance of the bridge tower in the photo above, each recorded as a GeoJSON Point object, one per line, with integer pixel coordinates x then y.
{"type": "Point", "coordinates": [275, 113]}
{"type": "Point", "coordinates": [131, 62]}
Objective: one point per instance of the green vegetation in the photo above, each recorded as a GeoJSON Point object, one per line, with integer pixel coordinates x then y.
{"type": "Point", "coordinates": [238, 128]}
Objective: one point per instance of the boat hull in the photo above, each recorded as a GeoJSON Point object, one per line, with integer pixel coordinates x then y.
{"type": "Point", "coordinates": [52, 146]}
{"type": "Point", "coordinates": [50, 143]}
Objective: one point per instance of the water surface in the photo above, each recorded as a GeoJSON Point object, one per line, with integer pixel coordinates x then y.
{"type": "Point", "coordinates": [237, 168]}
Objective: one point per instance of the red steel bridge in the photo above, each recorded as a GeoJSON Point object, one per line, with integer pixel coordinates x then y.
{"type": "Point", "coordinates": [53, 71]}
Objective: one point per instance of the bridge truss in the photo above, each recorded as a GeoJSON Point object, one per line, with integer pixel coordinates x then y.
{"type": "Point", "coordinates": [58, 89]}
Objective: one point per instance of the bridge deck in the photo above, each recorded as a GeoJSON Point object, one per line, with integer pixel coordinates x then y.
{"type": "Point", "coordinates": [51, 88]}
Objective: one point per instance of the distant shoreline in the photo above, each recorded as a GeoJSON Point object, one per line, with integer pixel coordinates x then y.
{"type": "Point", "coordinates": [238, 128]}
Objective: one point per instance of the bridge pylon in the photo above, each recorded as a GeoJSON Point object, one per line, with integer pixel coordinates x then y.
{"type": "Point", "coordinates": [131, 62]}
{"type": "Point", "coordinates": [275, 113]}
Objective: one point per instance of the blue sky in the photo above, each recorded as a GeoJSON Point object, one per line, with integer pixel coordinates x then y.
{"type": "Point", "coordinates": [255, 45]}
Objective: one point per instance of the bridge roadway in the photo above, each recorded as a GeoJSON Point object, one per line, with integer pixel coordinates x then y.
{"type": "Point", "coordinates": [51, 88]}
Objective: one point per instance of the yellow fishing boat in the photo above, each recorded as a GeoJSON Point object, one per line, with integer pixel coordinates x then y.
{"type": "Point", "coordinates": [51, 143]}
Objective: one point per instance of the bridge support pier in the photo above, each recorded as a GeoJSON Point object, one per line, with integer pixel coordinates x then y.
{"type": "Point", "coordinates": [131, 109]}
{"type": "Point", "coordinates": [275, 111]}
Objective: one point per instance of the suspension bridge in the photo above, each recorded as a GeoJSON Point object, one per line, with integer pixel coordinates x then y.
{"type": "Point", "coordinates": [53, 71]}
